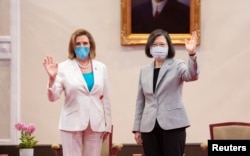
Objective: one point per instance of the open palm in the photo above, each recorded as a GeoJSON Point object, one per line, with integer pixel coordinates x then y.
{"type": "Point", "coordinates": [50, 67]}
{"type": "Point", "coordinates": [191, 44]}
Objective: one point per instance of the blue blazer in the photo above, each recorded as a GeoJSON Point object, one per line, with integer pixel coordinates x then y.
{"type": "Point", "coordinates": [165, 105]}
{"type": "Point", "coordinates": [82, 106]}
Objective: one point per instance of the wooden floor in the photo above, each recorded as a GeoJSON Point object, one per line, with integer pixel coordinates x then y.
{"type": "Point", "coordinates": [193, 149]}
{"type": "Point", "coordinates": [127, 150]}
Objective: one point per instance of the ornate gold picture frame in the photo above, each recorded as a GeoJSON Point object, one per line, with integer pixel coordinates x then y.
{"type": "Point", "coordinates": [127, 38]}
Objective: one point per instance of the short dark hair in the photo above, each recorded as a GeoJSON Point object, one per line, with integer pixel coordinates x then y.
{"type": "Point", "coordinates": [72, 43]}
{"type": "Point", "coordinates": [151, 39]}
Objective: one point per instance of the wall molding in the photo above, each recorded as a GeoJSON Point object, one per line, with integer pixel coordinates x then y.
{"type": "Point", "coordinates": [5, 47]}
{"type": "Point", "coordinates": [10, 49]}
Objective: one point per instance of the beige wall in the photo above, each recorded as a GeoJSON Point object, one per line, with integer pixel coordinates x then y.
{"type": "Point", "coordinates": [221, 94]}
{"type": "Point", "coordinates": [5, 65]}
{"type": "Point", "coordinates": [5, 17]}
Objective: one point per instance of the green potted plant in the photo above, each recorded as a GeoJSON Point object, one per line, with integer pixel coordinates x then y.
{"type": "Point", "coordinates": [27, 141]}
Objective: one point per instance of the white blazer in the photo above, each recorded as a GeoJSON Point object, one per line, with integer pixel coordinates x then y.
{"type": "Point", "coordinates": [82, 107]}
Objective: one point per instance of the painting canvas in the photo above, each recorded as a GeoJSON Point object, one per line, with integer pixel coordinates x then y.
{"type": "Point", "coordinates": [140, 17]}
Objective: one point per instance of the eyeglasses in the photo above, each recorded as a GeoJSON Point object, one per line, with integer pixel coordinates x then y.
{"type": "Point", "coordinates": [159, 44]}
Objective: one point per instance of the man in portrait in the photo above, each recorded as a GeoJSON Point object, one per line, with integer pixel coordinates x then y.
{"type": "Point", "coordinates": [169, 15]}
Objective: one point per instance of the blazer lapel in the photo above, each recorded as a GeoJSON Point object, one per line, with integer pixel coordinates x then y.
{"type": "Point", "coordinates": [98, 74]}
{"type": "Point", "coordinates": [95, 74]}
{"type": "Point", "coordinates": [76, 71]}
{"type": "Point", "coordinates": [149, 76]}
{"type": "Point", "coordinates": [163, 71]}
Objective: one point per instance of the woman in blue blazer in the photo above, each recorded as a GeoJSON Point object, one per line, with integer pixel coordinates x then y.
{"type": "Point", "coordinates": [85, 119]}
{"type": "Point", "coordinates": [160, 117]}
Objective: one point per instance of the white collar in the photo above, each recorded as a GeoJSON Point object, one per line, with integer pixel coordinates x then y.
{"type": "Point", "coordinates": [160, 5]}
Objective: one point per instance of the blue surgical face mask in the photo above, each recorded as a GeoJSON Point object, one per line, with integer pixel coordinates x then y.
{"type": "Point", "coordinates": [81, 52]}
{"type": "Point", "coordinates": [159, 52]}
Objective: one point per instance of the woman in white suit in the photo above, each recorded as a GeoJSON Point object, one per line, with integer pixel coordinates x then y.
{"type": "Point", "coordinates": [160, 117]}
{"type": "Point", "coordinates": [85, 119]}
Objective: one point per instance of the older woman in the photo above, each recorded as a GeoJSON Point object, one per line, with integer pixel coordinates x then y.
{"type": "Point", "coordinates": [160, 117]}
{"type": "Point", "coordinates": [85, 119]}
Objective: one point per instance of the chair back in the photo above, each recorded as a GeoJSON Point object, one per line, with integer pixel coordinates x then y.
{"type": "Point", "coordinates": [230, 131]}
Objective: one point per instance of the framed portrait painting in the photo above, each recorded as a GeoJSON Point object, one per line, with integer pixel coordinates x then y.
{"type": "Point", "coordinates": [178, 17]}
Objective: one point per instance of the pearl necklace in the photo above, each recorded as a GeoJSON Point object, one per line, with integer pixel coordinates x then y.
{"type": "Point", "coordinates": [82, 66]}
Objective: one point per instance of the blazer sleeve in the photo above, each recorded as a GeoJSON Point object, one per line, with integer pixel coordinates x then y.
{"type": "Point", "coordinates": [140, 103]}
{"type": "Point", "coordinates": [189, 72]}
{"type": "Point", "coordinates": [106, 102]}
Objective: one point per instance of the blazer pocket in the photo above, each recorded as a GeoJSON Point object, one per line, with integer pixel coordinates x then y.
{"type": "Point", "coordinates": [173, 106]}
{"type": "Point", "coordinates": [68, 112]}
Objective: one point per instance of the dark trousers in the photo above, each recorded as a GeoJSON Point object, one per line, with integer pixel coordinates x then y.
{"type": "Point", "coordinates": [161, 142]}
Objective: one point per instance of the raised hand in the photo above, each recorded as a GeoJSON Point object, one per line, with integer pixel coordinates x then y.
{"type": "Point", "coordinates": [50, 67]}
{"type": "Point", "coordinates": [191, 44]}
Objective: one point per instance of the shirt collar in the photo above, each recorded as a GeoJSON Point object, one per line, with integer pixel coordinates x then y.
{"type": "Point", "coordinates": [160, 5]}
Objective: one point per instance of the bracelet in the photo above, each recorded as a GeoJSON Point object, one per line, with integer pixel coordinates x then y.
{"type": "Point", "coordinates": [192, 54]}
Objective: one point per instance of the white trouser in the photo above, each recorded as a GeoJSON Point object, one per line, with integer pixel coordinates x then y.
{"type": "Point", "coordinates": [75, 143]}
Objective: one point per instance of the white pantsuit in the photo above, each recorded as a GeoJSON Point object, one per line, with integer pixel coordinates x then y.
{"type": "Point", "coordinates": [82, 109]}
